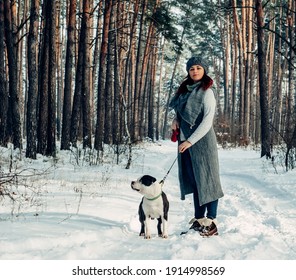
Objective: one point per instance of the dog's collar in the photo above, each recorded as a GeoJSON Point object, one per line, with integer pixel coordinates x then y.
{"type": "Point", "coordinates": [154, 198]}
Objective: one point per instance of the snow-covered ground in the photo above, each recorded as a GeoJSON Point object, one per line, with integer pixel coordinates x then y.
{"type": "Point", "coordinates": [89, 212]}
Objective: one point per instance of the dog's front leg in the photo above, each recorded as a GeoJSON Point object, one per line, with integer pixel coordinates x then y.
{"type": "Point", "coordinates": [147, 228]}
{"type": "Point", "coordinates": [159, 226]}
{"type": "Point", "coordinates": [165, 228]}
{"type": "Point", "coordinates": [142, 232]}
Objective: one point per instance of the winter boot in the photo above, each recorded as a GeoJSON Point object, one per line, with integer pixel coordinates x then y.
{"type": "Point", "coordinates": [197, 224]}
{"type": "Point", "coordinates": [210, 228]}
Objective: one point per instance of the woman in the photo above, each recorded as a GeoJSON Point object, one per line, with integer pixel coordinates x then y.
{"type": "Point", "coordinates": [195, 104]}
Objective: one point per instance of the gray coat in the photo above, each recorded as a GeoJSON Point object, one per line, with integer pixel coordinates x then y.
{"type": "Point", "coordinates": [204, 153]}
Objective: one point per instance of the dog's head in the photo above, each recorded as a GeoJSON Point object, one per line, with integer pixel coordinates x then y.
{"type": "Point", "coordinates": [147, 186]}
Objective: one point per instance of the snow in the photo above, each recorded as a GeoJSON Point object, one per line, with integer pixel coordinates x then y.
{"type": "Point", "coordinates": [89, 212]}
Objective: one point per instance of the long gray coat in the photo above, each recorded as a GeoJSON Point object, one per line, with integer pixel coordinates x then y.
{"type": "Point", "coordinates": [204, 153]}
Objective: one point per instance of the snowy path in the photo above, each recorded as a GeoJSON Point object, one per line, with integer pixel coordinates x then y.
{"type": "Point", "coordinates": [91, 213]}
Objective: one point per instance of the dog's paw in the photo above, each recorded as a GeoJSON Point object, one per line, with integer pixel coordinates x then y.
{"type": "Point", "coordinates": [165, 236]}
{"type": "Point", "coordinates": [147, 236]}
{"type": "Point", "coordinates": [142, 234]}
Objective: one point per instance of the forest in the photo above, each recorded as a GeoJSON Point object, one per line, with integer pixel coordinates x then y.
{"type": "Point", "coordinates": [96, 73]}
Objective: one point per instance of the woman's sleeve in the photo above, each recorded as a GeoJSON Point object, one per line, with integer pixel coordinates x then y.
{"type": "Point", "coordinates": [207, 121]}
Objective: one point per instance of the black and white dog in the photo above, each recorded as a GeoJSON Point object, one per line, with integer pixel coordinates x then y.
{"type": "Point", "coordinates": [153, 205]}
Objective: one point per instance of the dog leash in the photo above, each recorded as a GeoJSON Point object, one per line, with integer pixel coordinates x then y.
{"type": "Point", "coordinates": [162, 181]}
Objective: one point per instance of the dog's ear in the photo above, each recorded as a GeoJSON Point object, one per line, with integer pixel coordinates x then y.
{"type": "Point", "coordinates": [147, 180]}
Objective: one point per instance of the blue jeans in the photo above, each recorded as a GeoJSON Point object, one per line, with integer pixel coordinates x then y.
{"type": "Point", "coordinates": [209, 209]}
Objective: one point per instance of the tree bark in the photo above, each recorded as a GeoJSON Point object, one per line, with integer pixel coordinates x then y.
{"type": "Point", "coordinates": [129, 69]}
{"type": "Point", "coordinates": [86, 84]}
{"type": "Point", "coordinates": [52, 93]}
{"type": "Point", "coordinates": [81, 105]}
{"type": "Point", "coordinates": [13, 105]}
{"type": "Point", "coordinates": [69, 66]}
{"type": "Point", "coordinates": [136, 98]}
{"type": "Point", "coordinates": [3, 83]}
{"type": "Point", "coordinates": [99, 134]}
{"type": "Point", "coordinates": [151, 96]}
{"type": "Point", "coordinates": [178, 56]}
{"type": "Point", "coordinates": [108, 122]}
{"type": "Point", "coordinates": [31, 150]}
{"type": "Point", "coordinates": [265, 127]}
{"type": "Point", "coordinates": [116, 131]}
{"type": "Point", "coordinates": [241, 61]}
{"type": "Point", "coordinates": [144, 94]}
{"type": "Point", "coordinates": [43, 85]}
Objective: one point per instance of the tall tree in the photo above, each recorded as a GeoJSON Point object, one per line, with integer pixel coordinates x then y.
{"type": "Point", "coordinates": [99, 134]}
{"type": "Point", "coordinates": [3, 93]}
{"type": "Point", "coordinates": [145, 75]}
{"type": "Point", "coordinates": [240, 46]}
{"type": "Point", "coordinates": [138, 79]}
{"type": "Point", "coordinates": [43, 84]}
{"type": "Point", "coordinates": [127, 82]}
{"type": "Point", "coordinates": [86, 79]}
{"type": "Point", "coordinates": [109, 92]}
{"type": "Point", "coordinates": [265, 126]}
{"type": "Point", "coordinates": [14, 119]}
{"type": "Point", "coordinates": [31, 150]}
{"type": "Point", "coordinates": [52, 92]}
{"type": "Point", "coordinates": [47, 88]}
{"type": "Point", "coordinates": [171, 87]}
{"type": "Point", "coordinates": [117, 131]}
{"type": "Point", "coordinates": [81, 104]}
{"type": "Point", "coordinates": [69, 66]}
{"type": "Point", "coordinates": [151, 95]}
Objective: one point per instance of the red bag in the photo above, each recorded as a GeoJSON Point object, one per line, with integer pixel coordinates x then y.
{"type": "Point", "coordinates": [175, 133]}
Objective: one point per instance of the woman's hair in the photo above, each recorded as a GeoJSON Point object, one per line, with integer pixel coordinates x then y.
{"type": "Point", "coordinates": [206, 82]}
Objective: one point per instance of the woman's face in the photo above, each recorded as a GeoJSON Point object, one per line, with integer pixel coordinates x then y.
{"type": "Point", "coordinates": [196, 72]}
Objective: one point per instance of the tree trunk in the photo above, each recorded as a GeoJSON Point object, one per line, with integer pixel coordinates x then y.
{"type": "Point", "coordinates": [70, 54]}
{"type": "Point", "coordinates": [77, 106]}
{"type": "Point", "coordinates": [116, 131]}
{"type": "Point", "coordinates": [279, 70]}
{"type": "Point", "coordinates": [86, 85]}
{"type": "Point", "coordinates": [225, 38]}
{"type": "Point", "coordinates": [271, 75]}
{"type": "Point", "coordinates": [52, 94]}
{"type": "Point", "coordinates": [47, 86]}
{"type": "Point", "coordinates": [165, 121]}
{"type": "Point", "coordinates": [96, 55]}
{"type": "Point", "coordinates": [43, 85]}
{"type": "Point", "coordinates": [143, 94]}
{"type": "Point", "coordinates": [265, 128]}
{"type": "Point", "coordinates": [31, 150]}
{"type": "Point", "coordinates": [99, 135]}
{"type": "Point", "coordinates": [136, 98]}
{"type": "Point", "coordinates": [109, 83]}
{"type": "Point", "coordinates": [3, 92]}
{"type": "Point", "coordinates": [20, 23]}
{"type": "Point", "coordinates": [241, 61]}
{"type": "Point", "coordinates": [11, 44]}
{"type": "Point", "coordinates": [151, 95]}
{"type": "Point", "coordinates": [59, 67]}
{"type": "Point", "coordinates": [234, 123]}
{"type": "Point", "coordinates": [248, 69]}
{"type": "Point", "coordinates": [129, 69]}
{"type": "Point", "coordinates": [291, 127]}
{"type": "Point", "coordinates": [81, 105]}
{"type": "Point", "coordinates": [158, 122]}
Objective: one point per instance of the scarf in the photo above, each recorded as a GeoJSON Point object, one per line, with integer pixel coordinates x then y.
{"type": "Point", "coordinates": [192, 87]}
{"type": "Point", "coordinates": [188, 110]}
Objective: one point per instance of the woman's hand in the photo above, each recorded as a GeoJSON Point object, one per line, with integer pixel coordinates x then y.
{"type": "Point", "coordinates": [184, 146]}
{"type": "Point", "coordinates": [175, 124]}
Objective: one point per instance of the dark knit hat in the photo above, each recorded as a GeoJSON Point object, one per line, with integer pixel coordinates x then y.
{"type": "Point", "coordinates": [197, 60]}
